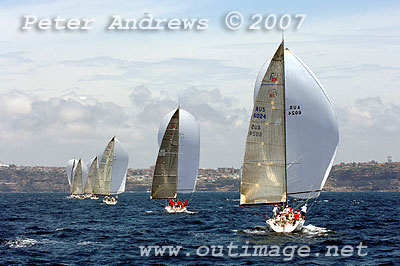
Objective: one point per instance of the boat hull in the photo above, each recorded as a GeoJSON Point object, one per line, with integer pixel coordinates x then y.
{"type": "Point", "coordinates": [287, 228]}
{"type": "Point", "coordinates": [170, 209]}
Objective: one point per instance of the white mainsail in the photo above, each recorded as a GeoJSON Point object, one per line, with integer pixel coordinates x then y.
{"type": "Point", "coordinates": [311, 131]}
{"type": "Point", "coordinates": [263, 174]}
{"type": "Point", "coordinates": [187, 141]}
{"type": "Point", "coordinates": [91, 177]}
{"type": "Point", "coordinates": [76, 179]}
{"type": "Point", "coordinates": [112, 169]}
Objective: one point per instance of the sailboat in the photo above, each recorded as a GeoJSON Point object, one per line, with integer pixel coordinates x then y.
{"type": "Point", "coordinates": [111, 172]}
{"type": "Point", "coordinates": [292, 138]}
{"type": "Point", "coordinates": [177, 163]}
{"type": "Point", "coordinates": [78, 173]}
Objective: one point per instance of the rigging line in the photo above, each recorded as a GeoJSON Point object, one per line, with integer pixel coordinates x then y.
{"type": "Point", "coordinates": [302, 203]}
{"type": "Point", "coordinates": [254, 211]}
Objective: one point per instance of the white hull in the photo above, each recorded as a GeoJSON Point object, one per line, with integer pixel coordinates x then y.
{"type": "Point", "coordinates": [73, 196]}
{"type": "Point", "coordinates": [110, 201]}
{"type": "Point", "coordinates": [170, 209]}
{"type": "Point", "coordinates": [285, 228]}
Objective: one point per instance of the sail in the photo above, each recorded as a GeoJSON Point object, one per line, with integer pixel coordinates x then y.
{"type": "Point", "coordinates": [91, 177]}
{"type": "Point", "coordinates": [70, 169]}
{"type": "Point", "coordinates": [76, 182]}
{"type": "Point", "coordinates": [165, 181]}
{"type": "Point", "coordinates": [312, 133]}
{"type": "Point", "coordinates": [119, 168]}
{"type": "Point", "coordinates": [103, 182]}
{"type": "Point", "coordinates": [188, 151]}
{"type": "Point", "coordinates": [263, 176]}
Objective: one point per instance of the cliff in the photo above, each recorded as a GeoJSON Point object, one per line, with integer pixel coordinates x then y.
{"type": "Point", "coordinates": [370, 176]}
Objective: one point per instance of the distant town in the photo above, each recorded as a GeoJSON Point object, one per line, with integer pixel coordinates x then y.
{"type": "Point", "coordinates": [368, 176]}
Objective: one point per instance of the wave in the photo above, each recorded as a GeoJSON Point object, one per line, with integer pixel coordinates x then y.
{"type": "Point", "coordinates": [257, 230]}
{"type": "Point", "coordinates": [315, 230]}
{"type": "Point", "coordinates": [20, 242]}
{"type": "Point", "coordinates": [85, 243]}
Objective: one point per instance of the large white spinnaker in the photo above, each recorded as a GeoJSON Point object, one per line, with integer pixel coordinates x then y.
{"type": "Point", "coordinates": [120, 168]}
{"type": "Point", "coordinates": [189, 149]}
{"type": "Point", "coordinates": [312, 130]}
{"type": "Point", "coordinates": [312, 134]}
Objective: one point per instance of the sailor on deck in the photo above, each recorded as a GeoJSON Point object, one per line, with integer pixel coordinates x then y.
{"type": "Point", "coordinates": [304, 211]}
{"type": "Point", "coordinates": [275, 211]}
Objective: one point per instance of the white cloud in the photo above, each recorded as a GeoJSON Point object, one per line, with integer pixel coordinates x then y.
{"type": "Point", "coordinates": [369, 130]}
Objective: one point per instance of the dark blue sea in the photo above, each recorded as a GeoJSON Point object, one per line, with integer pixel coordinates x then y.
{"type": "Point", "coordinates": [50, 229]}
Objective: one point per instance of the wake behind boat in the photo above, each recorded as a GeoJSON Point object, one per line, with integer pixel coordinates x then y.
{"type": "Point", "coordinates": [292, 139]}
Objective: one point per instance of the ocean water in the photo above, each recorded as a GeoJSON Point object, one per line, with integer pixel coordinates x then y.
{"type": "Point", "coordinates": [50, 229]}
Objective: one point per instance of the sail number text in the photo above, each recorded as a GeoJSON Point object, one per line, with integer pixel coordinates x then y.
{"type": "Point", "coordinates": [255, 130]}
{"type": "Point", "coordinates": [259, 112]}
{"type": "Point", "coordinates": [294, 110]}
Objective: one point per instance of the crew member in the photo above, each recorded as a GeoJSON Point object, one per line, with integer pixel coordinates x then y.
{"type": "Point", "coordinates": [304, 211]}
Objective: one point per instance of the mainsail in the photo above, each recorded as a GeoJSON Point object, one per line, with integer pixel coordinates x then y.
{"type": "Point", "coordinates": [76, 181]}
{"type": "Point", "coordinates": [91, 177]}
{"type": "Point", "coordinates": [165, 175]}
{"type": "Point", "coordinates": [103, 182]}
{"type": "Point", "coordinates": [263, 175]}
{"type": "Point", "coordinates": [306, 126]}
{"type": "Point", "coordinates": [188, 151]}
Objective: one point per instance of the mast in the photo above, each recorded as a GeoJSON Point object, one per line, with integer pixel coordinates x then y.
{"type": "Point", "coordinates": [284, 117]}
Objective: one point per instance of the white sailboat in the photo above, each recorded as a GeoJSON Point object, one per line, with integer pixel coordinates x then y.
{"type": "Point", "coordinates": [292, 138]}
{"type": "Point", "coordinates": [111, 172]}
{"type": "Point", "coordinates": [177, 163]}
{"type": "Point", "coordinates": [78, 172]}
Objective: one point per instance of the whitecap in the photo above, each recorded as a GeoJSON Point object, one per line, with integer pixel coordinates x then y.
{"type": "Point", "coordinates": [315, 230]}
{"type": "Point", "coordinates": [21, 243]}
{"type": "Point", "coordinates": [84, 243]}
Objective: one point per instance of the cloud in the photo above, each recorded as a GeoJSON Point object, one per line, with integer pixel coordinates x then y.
{"type": "Point", "coordinates": [223, 126]}
{"type": "Point", "coordinates": [369, 130]}
{"type": "Point", "coordinates": [14, 58]}
{"type": "Point", "coordinates": [50, 131]}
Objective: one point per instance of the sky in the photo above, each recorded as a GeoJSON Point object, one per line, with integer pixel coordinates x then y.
{"type": "Point", "coordinates": [65, 93]}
